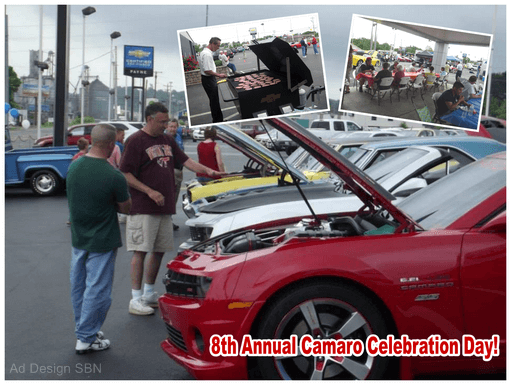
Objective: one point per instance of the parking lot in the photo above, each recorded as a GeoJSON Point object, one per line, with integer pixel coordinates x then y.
{"type": "Point", "coordinates": [39, 335]}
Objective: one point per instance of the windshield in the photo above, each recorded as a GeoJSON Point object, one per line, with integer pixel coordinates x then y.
{"type": "Point", "coordinates": [442, 203]}
{"type": "Point", "coordinates": [345, 150]}
{"type": "Point", "coordinates": [389, 166]}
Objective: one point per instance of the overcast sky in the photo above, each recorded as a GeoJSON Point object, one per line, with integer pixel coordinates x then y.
{"type": "Point", "coordinates": [157, 26]}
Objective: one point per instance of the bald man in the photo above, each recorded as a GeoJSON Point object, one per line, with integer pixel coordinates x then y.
{"type": "Point", "coordinates": [96, 192]}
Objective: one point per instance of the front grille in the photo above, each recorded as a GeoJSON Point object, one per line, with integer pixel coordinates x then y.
{"type": "Point", "coordinates": [183, 285]}
{"type": "Point", "coordinates": [198, 233]}
{"type": "Point", "coordinates": [176, 337]}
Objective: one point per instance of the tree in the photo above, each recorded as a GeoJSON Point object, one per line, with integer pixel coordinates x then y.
{"type": "Point", "coordinates": [14, 84]}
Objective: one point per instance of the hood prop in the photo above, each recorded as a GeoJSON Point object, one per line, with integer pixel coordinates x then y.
{"type": "Point", "coordinates": [316, 222]}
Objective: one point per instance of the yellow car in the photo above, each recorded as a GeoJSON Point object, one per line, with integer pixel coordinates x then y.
{"type": "Point", "coordinates": [359, 58]}
{"type": "Point", "coordinates": [263, 169]}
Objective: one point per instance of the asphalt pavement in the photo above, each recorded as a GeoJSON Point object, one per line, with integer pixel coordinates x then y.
{"type": "Point", "coordinates": [198, 102]}
{"type": "Point", "coordinates": [39, 325]}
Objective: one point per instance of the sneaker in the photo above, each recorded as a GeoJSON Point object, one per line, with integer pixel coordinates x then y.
{"type": "Point", "coordinates": [138, 308]}
{"type": "Point", "coordinates": [151, 300]}
{"type": "Point", "coordinates": [96, 346]}
{"type": "Point", "coordinates": [176, 227]}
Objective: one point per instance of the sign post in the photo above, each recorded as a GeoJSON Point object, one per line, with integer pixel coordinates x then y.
{"type": "Point", "coordinates": [138, 63]}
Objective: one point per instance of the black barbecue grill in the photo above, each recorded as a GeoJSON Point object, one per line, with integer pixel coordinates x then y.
{"type": "Point", "coordinates": [269, 92]}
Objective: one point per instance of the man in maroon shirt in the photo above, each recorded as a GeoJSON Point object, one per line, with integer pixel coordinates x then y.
{"type": "Point", "coordinates": [148, 164]}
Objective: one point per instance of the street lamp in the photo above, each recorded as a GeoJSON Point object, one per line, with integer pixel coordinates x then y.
{"type": "Point", "coordinates": [113, 35]}
{"type": "Point", "coordinates": [86, 12]}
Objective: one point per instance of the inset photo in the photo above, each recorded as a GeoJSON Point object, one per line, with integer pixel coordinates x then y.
{"type": "Point", "coordinates": [416, 72]}
{"type": "Point", "coordinates": [253, 70]}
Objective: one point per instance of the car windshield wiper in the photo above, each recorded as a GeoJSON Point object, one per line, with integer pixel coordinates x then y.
{"type": "Point", "coordinates": [316, 222]}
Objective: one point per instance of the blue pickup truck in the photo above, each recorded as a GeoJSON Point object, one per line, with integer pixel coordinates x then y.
{"type": "Point", "coordinates": [43, 169]}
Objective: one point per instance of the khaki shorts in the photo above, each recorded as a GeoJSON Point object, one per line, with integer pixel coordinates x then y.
{"type": "Point", "coordinates": [149, 233]}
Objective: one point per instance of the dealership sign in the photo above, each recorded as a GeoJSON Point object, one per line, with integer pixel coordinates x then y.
{"type": "Point", "coordinates": [138, 61]}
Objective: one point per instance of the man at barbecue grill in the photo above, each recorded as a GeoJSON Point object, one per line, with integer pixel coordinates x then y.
{"type": "Point", "coordinates": [209, 74]}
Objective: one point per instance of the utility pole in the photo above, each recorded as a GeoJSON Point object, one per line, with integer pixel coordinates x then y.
{"type": "Point", "coordinates": [169, 90]}
{"type": "Point", "coordinates": [115, 84]}
{"type": "Point", "coordinates": [156, 81]}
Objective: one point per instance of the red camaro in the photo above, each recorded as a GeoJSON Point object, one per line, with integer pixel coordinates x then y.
{"type": "Point", "coordinates": [406, 290]}
{"type": "Point", "coordinates": [73, 134]}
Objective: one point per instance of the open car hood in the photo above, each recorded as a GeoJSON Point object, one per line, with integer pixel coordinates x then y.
{"type": "Point", "coordinates": [240, 141]}
{"type": "Point", "coordinates": [370, 192]}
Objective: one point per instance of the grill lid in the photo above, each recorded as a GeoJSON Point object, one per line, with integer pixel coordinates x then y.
{"type": "Point", "coordinates": [274, 54]}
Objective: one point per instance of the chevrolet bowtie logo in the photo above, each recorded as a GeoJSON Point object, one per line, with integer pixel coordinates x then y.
{"type": "Point", "coordinates": [270, 98]}
{"type": "Point", "coordinates": [139, 53]}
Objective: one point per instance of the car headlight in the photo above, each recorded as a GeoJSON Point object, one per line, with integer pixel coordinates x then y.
{"type": "Point", "coordinates": [186, 285]}
{"type": "Point", "coordinates": [200, 233]}
{"type": "Point", "coordinates": [188, 210]}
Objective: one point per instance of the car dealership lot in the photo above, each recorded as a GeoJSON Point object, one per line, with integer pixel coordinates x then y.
{"type": "Point", "coordinates": [39, 338]}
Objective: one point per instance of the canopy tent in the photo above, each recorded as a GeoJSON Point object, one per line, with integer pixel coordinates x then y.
{"type": "Point", "coordinates": [452, 58]}
{"type": "Point", "coordinates": [424, 54]}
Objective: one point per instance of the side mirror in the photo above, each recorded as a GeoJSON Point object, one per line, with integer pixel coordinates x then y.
{"type": "Point", "coordinates": [496, 225]}
{"type": "Point", "coordinates": [409, 187]}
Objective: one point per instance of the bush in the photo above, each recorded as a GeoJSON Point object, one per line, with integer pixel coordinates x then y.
{"type": "Point", "coordinates": [403, 125]}
{"type": "Point", "coordinates": [87, 119]}
{"type": "Point", "coordinates": [190, 63]}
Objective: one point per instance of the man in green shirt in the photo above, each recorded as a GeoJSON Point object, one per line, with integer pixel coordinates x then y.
{"type": "Point", "coordinates": [96, 191]}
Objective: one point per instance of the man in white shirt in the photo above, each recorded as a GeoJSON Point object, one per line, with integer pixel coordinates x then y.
{"type": "Point", "coordinates": [209, 74]}
{"type": "Point", "coordinates": [469, 91]}
{"type": "Point", "coordinates": [459, 71]}
{"type": "Point", "coordinates": [225, 61]}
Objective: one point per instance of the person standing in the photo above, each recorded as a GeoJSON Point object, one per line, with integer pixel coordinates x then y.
{"type": "Point", "coordinates": [314, 43]}
{"type": "Point", "coordinates": [208, 78]}
{"type": "Point", "coordinates": [119, 139]}
{"type": "Point", "coordinates": [303, 43]}
{"type": "Point", "coordinates": [148, 165]}
{"type": "Point", "coordinates": [349, 71]}
{"type": "Point", "coordinates": [83, 146]}
{"type": "Point", "coordinates": [210, 155]}
{"type": "Point", "coordinates": [96, 192]}
{"type": "Point", "coordinates": [459, 71]}
{"type": "Point", "coordinates": [478, 71]}
{"type": "Point", "coordinates": [176, 133]}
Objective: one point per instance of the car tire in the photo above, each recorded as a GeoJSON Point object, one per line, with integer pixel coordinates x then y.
{"type": "Point", "coordinates": [335, 307]}
{"type": "Point", "coordinates": [359, 63]}
{"type": "Point", "coordinates": [44, 183]}
{"type": "Point", "coordinates": [194, 139]}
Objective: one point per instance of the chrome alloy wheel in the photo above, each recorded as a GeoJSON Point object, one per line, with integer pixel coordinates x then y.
{"type": "Point", "coordinates": [324, 318]}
